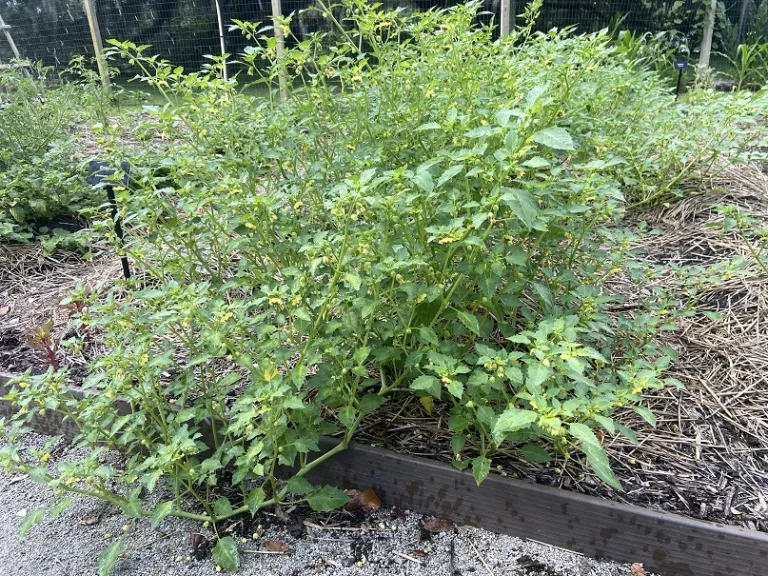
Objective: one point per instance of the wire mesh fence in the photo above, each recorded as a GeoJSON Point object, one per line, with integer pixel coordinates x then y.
{"type": "Point", "coordinates": [184, 31]}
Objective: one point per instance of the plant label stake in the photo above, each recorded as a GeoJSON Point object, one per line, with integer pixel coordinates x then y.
{"type": "Point", "coordinates": [98, 174]}
{"type": "Point", "coordinates": [681, 63]}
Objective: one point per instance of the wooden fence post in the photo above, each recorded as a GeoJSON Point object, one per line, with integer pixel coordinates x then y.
{"type": "Point", "coordinates": [98, 47]}
{"type": "Point", "coordinates": [222, 44]}
{"type": "Point", "coordinates": [507, 17]}
{"type": "Point", "coordinates": [709, 32]}
{"type": "Point", "coordinates": [277, 15]}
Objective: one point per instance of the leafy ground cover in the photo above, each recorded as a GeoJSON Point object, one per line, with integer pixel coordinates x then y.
{"type": "Point", "coordinates": [430, 215]}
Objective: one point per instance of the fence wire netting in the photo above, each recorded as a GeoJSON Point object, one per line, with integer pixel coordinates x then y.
{"type": "Point", "coordinates": [185, 31]}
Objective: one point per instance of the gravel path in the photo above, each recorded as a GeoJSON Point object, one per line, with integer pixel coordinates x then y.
{"type": "Point", "coordinates": [389, 542]}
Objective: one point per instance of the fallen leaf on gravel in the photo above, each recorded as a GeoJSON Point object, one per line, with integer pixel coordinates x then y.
{"type": "Point", "coordinates": [4, 310]}
{"type": "Point", "coordinates": [437, 525]}
{"type": "Point", "coordinates": [418, 553]}
{"type": "Point", "coordinates": [638, 570]}
{"type": "Point", "coordinates": [90, 520]}
{"type": "Point", "coordinates": [196, 540]}
{"type": "Point", "coordinates": [366, 501]}
{"type": "Point", "coordinates": [275, 546]}
{"type": "Point", "coordinates": [397, 512]}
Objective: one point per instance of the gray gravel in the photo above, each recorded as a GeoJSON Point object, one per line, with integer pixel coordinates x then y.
{"type": "Point", "coordinates": [67, 547]}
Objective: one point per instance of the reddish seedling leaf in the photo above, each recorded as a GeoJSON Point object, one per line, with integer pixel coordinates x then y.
{"type": "Point", "coordinates": [397, 512]}
{"type": "Point", "coordinates": [275, 546]}
{"type": "Point", "coordinates": [437, 525]}
{"type": "Point", "coordinates": [366, 501]}
{"type": "Point", "coordinates": [638, 570]}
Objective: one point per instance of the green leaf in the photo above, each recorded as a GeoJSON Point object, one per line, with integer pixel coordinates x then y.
{"type": "Point", "coordinates": [480, 132]}
{"type": "Point", "coordinates": [353, 281]}
{"type": "Point", "coordinates": [428, 384]}
{"type": "Point", "coordinates": [554, 137]}
{"type": "Point", "coordinates": [536, 162]}
{"type": "Point", "coordinates": [523, 204]}
{"type": "Point", "coordinates": [478, 378]}
{"type": "Point", "coordinates": [31, 519]}
{"type": "Point", "coordinates": [326, 499]}
{"type": "Point", "coordinates": [225, 554]}
{"type": "Point", "coordinates": [605, 422]}
{"type": "Point", "coordinates": [39, 474]}
{"type": "Point", "coordinates": [132, 507]}
{"type": "Point", "coordinates": [299, 485]}
{"type": "Point", "coordinates": [449, 173]}
{"type": "Point", "coordinates": [537, 374]}
{"type": "Point", "coordinates": [428, 335]}
{"type": "Point", "coordinates": [645, 414]}
{"type": "Point", "coordinates": [628, 433]}
{"type": "Point", "coordinates": [584, 433]}
{"type": "Point", "coordinates": [456, 388]}
{"type": "Point", "coordinates": [534, 453]}
{"type": "Point", "coordinates": [511, 420]}
{"type": "Point", "coordinates": [160, 512]}
{"type": "Point", "coordinates": [222, 507]}
{"type": "Point", "coordinates": [598, 461]}
{"type": "Point", "coordinates": [424, 181]}
{"type": "Point", "coordinates": [469, 320]}
{"type": "Point", "coordinates": [481, 466]}
{"type": "Point", "coordinates": [370, 403]}
{"type": "Point", "coordinates": [347, 416]}
{"type": "Point", "coordinates": [59, 508]}
{"type": "Point", "coordinates": [255, 499]}
{"type": "Point", "coordinates": [427, 126]}
{"type": "Point", "coordinates": [109, 557]}
{"type": "Point", "coordinates": [457, 443]}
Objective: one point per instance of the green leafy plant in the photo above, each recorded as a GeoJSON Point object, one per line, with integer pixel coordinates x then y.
{"type": "Point", "coordinates": [42, 183]}
{"type": "Point", "coordinates": [430, 212]}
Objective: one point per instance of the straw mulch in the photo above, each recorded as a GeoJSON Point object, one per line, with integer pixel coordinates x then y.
{"type": "Point", "coordinates": [32, 286]}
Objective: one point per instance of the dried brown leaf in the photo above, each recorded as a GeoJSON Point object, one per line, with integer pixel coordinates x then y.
{"type": "Point", "coordinates": [638, 570]}
{"type": "Point", "coordinates": [437, 525]}
{"type": "Point", "coordinates": [91, 520]}
{"type": "Point", "coordinates": [366, 501]}
{"type": "Point", "coordinates": [397, 512]}
{"type": "Point", "coordinates": [196, 540]}
{"type": "Point", "coordinates": [275, 546]}
{"type": "Point", "coordinates": [418, 553]}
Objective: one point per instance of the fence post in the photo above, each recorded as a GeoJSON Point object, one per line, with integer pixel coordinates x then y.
{"type": "Point", "coordinates": [98, 47]}
{"type": "Point", "coordinates": [506, 17]}
{"type": "Point", "coordinates": [709, 32]}
{"type": "Point", "coordinates": [222, 45]}
{"type": "Point", "coordinates": [277, 16]}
